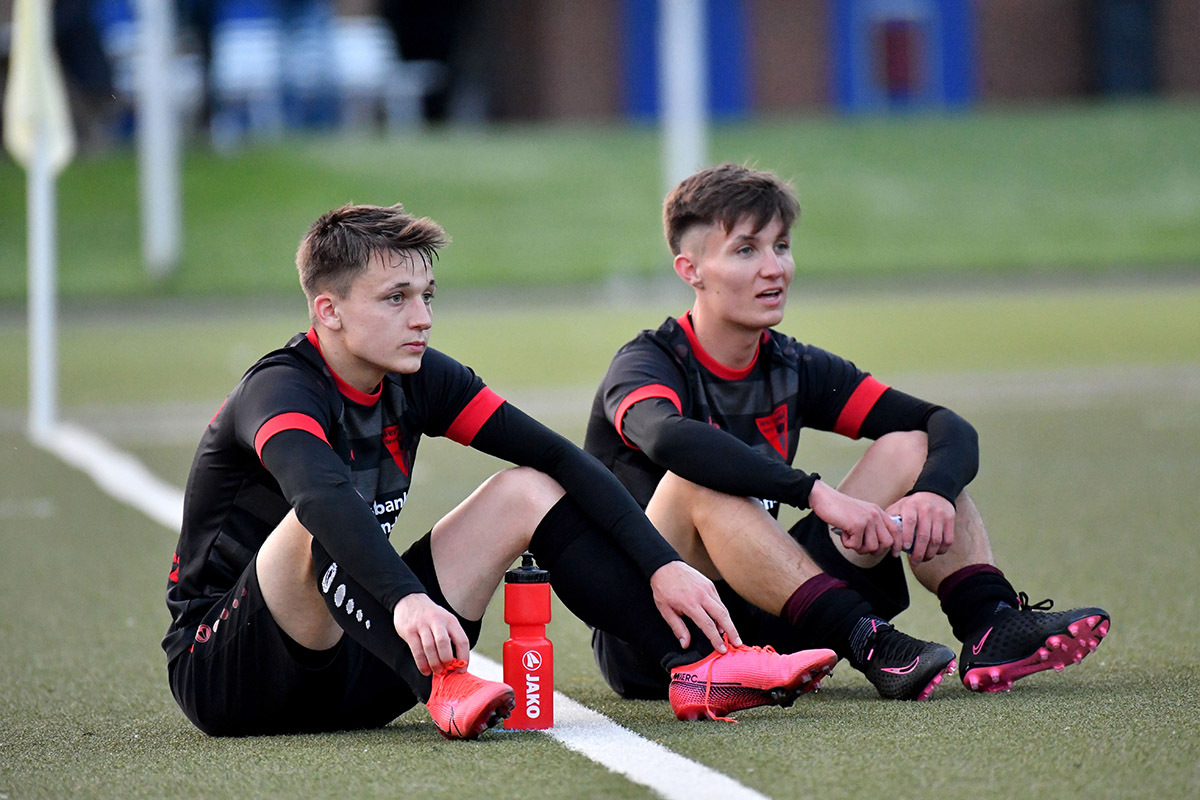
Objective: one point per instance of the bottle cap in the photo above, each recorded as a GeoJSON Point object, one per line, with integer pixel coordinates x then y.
{"type": "Point", "coordinates": [528, 572]}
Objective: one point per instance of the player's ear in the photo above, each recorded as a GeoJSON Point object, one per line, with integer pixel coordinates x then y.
{"type": "Point", "coordinates": [685, 268]}
{"type": "Point", "coordinates": [325, 311]}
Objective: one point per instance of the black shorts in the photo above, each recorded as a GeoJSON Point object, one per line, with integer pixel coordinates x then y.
{"type": "Point", "coordinates": [635, 675]}
{"type": "Point", "coordinates": [244, 676]}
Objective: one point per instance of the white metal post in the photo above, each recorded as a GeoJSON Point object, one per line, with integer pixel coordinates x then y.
{"type": "Point", "coordinates": [683, 81]}
{"type": "Point", "coordinates": [158, 138]}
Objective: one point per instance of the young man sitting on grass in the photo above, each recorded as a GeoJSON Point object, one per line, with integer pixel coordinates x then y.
{"type": "Point", "coordinates": [700, 420]}
{"type": "Point", "coordinates": [292, 612]}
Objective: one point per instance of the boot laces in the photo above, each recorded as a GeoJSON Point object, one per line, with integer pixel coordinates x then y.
{"type": "Point", "coordinates": [1025, 605]}
{"type": "Point", "coordinates": [730, 647]}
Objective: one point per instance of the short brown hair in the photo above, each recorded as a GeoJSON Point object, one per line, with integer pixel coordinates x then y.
{"type": "Point", "coordinates": [726, 194]}
{"type": "Point", "coordinates": [339, 245]}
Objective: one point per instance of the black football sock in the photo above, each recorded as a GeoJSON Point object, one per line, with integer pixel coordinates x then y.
{"type": "Point", "coordinates": [366, 621]}
{"type": "Point", "coordinates": [971, 595]}
{"type": "Point", "coordinates": [830, 614]}
{"type": "Point", "coordinates": [603, 586]}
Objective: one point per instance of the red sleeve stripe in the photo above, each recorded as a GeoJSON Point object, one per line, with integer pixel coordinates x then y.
{"type": "Point", "coordinates": [861, 401]}
{"type": "Point", "coordinates": [291, 421]}
{"type": "Point", "coordinates": [471, 418]}
{"type": "Point", "coordinates": [644, 393]}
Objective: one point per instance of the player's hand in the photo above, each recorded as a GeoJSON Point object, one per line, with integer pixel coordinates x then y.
{"type": "Point", "coordinates": [432, 633]}
{"type": "Point", "coordinates": [680, 591]}
{"type": "Point", "coordinates": [928, 525]}
{"type": "Point", "coordinates": [864, 527]}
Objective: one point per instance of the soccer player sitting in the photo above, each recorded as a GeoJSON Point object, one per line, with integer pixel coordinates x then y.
{"type": "Point", "coordinates": [700, 419]}
{"type": "Point", "coordinates": [292, 612]}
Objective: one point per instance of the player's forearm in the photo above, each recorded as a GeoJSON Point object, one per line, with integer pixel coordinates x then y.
{"type": "Point", "coordinates": [713, 458]}
{"type": "Point", "coordinates": [329, 508]}
{"type": "Point", "coordinates": [953, 459]}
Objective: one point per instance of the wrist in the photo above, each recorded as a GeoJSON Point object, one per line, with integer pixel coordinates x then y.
{"type": "Point", "coordinates": [819, 492]}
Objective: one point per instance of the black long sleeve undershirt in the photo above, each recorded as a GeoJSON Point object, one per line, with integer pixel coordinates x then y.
{"type": "Point", "coordinates": [712, 457]}
{"type": "Point", "coordinates": [316, 483]}
{"type": "Point", "coordinates": [709, 456]}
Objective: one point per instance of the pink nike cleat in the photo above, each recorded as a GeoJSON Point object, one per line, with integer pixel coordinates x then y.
{"type": "Point", "coordinates": [464, 706]}
{"type": "Point", "coordinates": [744, 677]}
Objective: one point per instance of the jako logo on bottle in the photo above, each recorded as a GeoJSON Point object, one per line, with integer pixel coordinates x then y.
{"type": "Point", "coordinates": [532, 661]}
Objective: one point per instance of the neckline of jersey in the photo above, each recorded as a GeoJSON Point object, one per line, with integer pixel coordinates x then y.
{"type": "Point", "coordinates": [708, 361]}
{"type": "Point", "coordinates": [349, 392]}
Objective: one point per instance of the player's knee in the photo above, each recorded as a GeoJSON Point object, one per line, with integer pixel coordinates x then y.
{"type": "Point", "coordinates": [699, 501]}
{"type": "Point", "coordinates": [906, 450]}
{"type": "Point", "coordinates": [528, 493]}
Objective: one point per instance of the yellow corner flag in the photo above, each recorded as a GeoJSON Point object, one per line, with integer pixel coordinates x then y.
{"type": "Point", "coordinates": [35, 101]}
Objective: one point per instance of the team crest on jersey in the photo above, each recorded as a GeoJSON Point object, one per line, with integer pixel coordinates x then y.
{"type": "Point", "coordinates": [775, 429]}
{"type": "Point", "coordinates": [391, 440]}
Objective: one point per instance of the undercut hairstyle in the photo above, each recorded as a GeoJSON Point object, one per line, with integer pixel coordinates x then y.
{"type": "Point", "coordinates": [725, 195]}
{"type": "Point", "coordinates": [339, 246]}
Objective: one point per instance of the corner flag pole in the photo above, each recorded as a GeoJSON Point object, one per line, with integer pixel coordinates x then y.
{"type": "Point", "coordinates": [683, 96]}
{"type": "Point", "coordinates": [38, 133]}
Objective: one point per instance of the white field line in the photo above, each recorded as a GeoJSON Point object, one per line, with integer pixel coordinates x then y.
{"type": "Point", "coordinates": [116, 472]}
{"type": "Point", "coordinates": [577, 727]}
{"type": "Point", "coordinates": [621, 750]}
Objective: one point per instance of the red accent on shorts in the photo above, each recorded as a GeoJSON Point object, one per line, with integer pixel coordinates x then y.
{"type": "Point", "coordinates": [174, 576]}
{"type": "Point", "coordinates": [710, 363]}
{"type": "Point", "coordinates": [775, 429]}
{"type": "Point", "coordinates": [347, 391]}
{"type": "Point", "coordinates": [861, 401]}
{"type": "Point", "coordinates": [644, 393]}
{"type": "Point", "coordinates": [290, 421]}
{"type": "Point", "coordinates": [471, 418]}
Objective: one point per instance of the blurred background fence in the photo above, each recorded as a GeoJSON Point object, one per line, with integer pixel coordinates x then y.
{"type": "Point", "coordinates": [257, 68]}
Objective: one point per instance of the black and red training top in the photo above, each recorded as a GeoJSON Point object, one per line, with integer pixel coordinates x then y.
{"type": "Point", "coordinates": [668, 405]}
{"type": "Point", "coordinates": [293, 434]}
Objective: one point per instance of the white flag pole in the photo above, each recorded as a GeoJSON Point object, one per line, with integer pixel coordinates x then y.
{"type": "Point", "coordinates": [38, 133]}
{"type": "Point", "coordinates": [683, 81]}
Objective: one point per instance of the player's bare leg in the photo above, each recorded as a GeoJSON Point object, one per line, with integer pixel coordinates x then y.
{"type": "Point", "coordinates": [885, 473]}
{"type": "Point", "coordinates": [735, 539]}
{"type": "Point", "coordinates": [288, 582]}
{"type": "Point", "coordinates": [971, 546]}
{"type": "Point", "coordinates": [476, 542]}
{"type": "Point", "coordinates": [732, 539]}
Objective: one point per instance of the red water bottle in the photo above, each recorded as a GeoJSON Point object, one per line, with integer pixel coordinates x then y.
{"type": "Point", "coordinates": [528, 654]}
